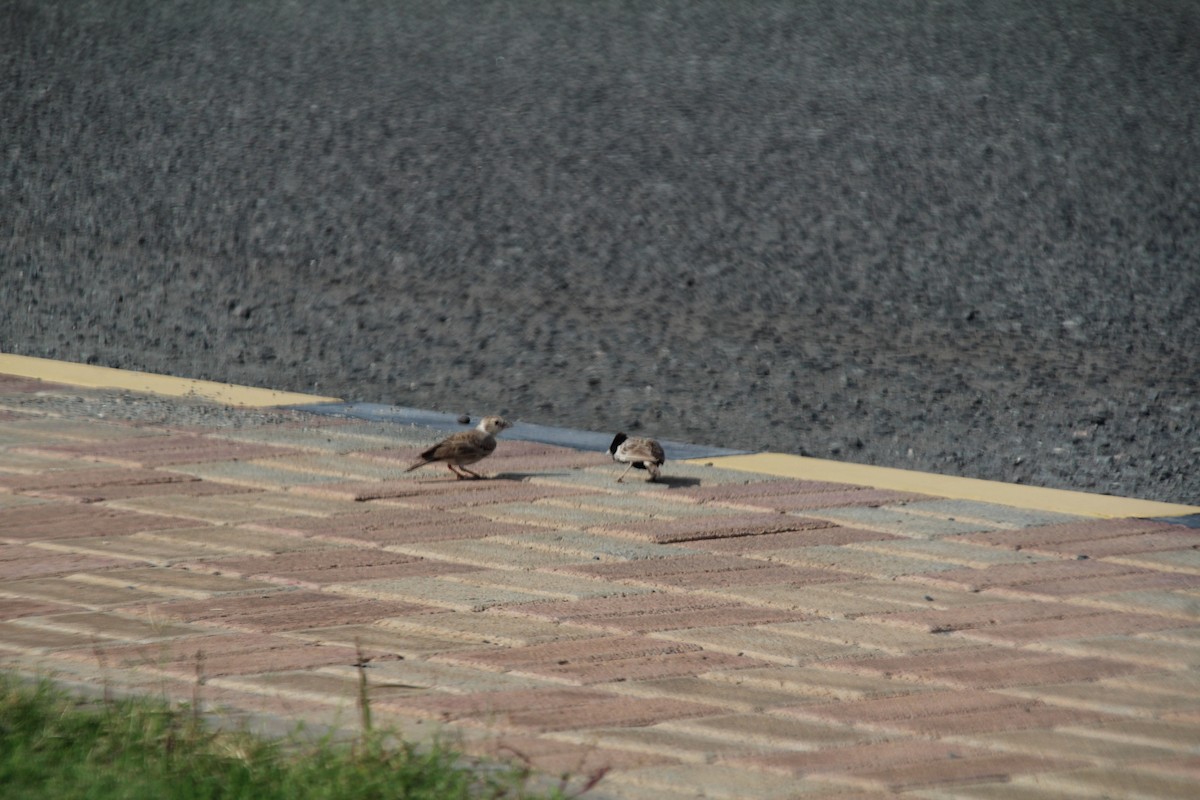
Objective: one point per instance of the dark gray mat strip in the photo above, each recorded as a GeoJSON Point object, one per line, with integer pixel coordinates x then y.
{"type": "Point", "coordinates": [524, 431]}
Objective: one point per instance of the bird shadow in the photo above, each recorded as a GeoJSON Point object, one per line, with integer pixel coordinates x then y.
{"type": "Point", "coordinates": [677, 481]}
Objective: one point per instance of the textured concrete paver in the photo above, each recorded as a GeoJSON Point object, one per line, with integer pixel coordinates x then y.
{"type": "Point", "coordinates": [719, 634]}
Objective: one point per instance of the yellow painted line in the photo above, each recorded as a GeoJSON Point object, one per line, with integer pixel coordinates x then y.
{"type": "Point", "coordinates": [904, 480]}
{"type": "Point", "coordinates": [93, 377]}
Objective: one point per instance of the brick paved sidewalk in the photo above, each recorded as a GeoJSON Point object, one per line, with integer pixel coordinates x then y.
{"type": "Point", "coordinates": [722, 634]}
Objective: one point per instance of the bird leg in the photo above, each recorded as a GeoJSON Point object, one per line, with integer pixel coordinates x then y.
{"type": "Point", "coordinates": [622, 476]}
{"type": "Point", "coordinates": [459, 470]}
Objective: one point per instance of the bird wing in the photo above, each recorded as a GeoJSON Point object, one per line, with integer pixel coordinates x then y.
{"type": "Point", "coordinates": [465, 447]}
{"type": "Point", "coordinates": [641, 450]}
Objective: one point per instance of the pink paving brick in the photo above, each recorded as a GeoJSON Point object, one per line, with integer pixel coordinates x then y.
{"type": "Point", "coordinates": [654, 612]}
{"type": "Point", "coordinates": [980, 769]}
{"type": "Point", "coordinates": [604, 648]}
{"type": "Point", "coordinates": [1135, 581]}
{"type": "Point", "coordinates": [1148, 542]}
{"type": "Point", "coordinates": [15, 608]}
{"type": "Point", "coordinates": [85, 494]}
{"type": "Point", "coordinates": [277, 611]}
{"type": "Point", "coordinates": [981, 616]}
{"type": "Point", "coordinates": [1066, 532]}
{"type": "Point", "coordinates": [316, 568]}
{"type": "Point", "coordinates": [1013, 575]}
{"type": "Point", "coordinates": [1028, 715]}
{"type": "Point", "coordinates": [91, 478]}
{"type": "Point", "coordinates": [160, 451]}
{"type": "Point", "coordinates": [756, 489]}
{"type": "Point", "coordinates": [540, 710]}
{"type": "Point", "coordinates": [48, 521]}
{"type": "Point", "coordinates": [828, 534]}
{"type": "Point", "coordinates": [490, 705]}
{"type": "Point", "coordinates": [818, 500]}
{"type": "Point", "coordinates": [715, 527]}
{"type": "Point", "coordinates": [385, 528]}
{"type": "Point", "coordinates": [470, 494]}
{"type": "Point", "coordinates": [42, 563]}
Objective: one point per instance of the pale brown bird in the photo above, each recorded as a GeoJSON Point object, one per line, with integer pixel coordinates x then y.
{"type": "Point", "coordinates": [644, 454]}
{"type": "Point", "coordinates": [466, 447]}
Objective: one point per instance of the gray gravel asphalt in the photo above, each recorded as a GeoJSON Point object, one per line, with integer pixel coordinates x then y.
{"type": "Point", "coordinates": [953, 236]}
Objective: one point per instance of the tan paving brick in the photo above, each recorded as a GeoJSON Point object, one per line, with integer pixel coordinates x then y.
{"type": "Point", "coordinates": [1184, 605]}
{"type": "Point", "coordinates": [701, 690]}
{"type": "Point", "coordinates": [674, 745]}
{"type": "Point", "coordinates": [824, 600]}
{"type": "Point", "coordinates": [276, 610]}
{"type": "Point", "coordinates": [1185, 561]}
{"type": "Point", "coordinates": [1060, 743]}
{"type": "Point", "coordinates": [73, 592]}
{"type": "Point", "coordinates": [447, 679]}
{"type": "Point", "coordinates": [603, 659]}
{"type": "Point", "coordinates": [375, 640]}
{"type": "Point", "coordinates": [708, 572]}
{"type": "Point", "coordinates": [859, 562]}
{"type": "Point", "coordinates": [869, 636]}
{"type": "Point", "coordinates": [982, 616]}
{"type": "Point", "coordinates": [706, 527]}
{"type": "Point", "coordinates": [912, 595]}
{"type": "Point", "coordinates": [436, 592]}
{"type": "Point", "coordinates": [870, 756]}
{"type": "Point", "coordinates": [1016, 575]}
{"type": "Point", "coordinates": [589, 545]}
{"type": "Point", "coordinates": [761, 643]}
{"type": "Point", "coordinates": [1130, 784]}
{"type": "Point", "coordinates": [252, 474]}
{"type": "Point", "coordinates": [109, 625]}
{"type": "Point", "coordinates": [63, 429]}
{"type": "Point", "coordinates": [319, 687]}
{"type": "Point", "coordinates": [171, 582]}
{"type": "Point", "coordinates": [114, 494]}
{"type": "Point", "coordinates": [492, 491]}
{"type": "Point", "coordinates": [714, 781]}
{"type": "Point", "coordinates": [285, 503]}
{"type": "Point", "coordinates": [1111, 697]}
{"type": "Point", "coordinates": [345, 468]}
{"type": "Point", "coordinates": [485, 627]}
{"type": "Point", "coordinates": [210, 509]}
{"type": "Point", "coordinates": [1072, 628]}
{"type": "Point", "coordinates": [560, 758]}
{"type": "Point", "coordinates": [223, 540]}
{"type": "Point", "coordinates": [816, 682]}
{"type": "Point", "coordinates": [314, 569]}
{"type": "Point", "coordinates": [554, 517]}
{"type": "Point", "coordinates": [1178, 737]}
{"type": "Point", "coordinates": [991, 515]}
{"type": "Point", "coordinates": [546, 584]}
{"type": "Point", "coordinates": [1136, 649]}
{"type": "Point", "coordinates": [775, 732]}
{"type": "Point", "coordinates": [948, 550]}
{"type": "Point", "coordinates": [893, 518]}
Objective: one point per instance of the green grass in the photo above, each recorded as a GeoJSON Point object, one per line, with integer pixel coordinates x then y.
{"type": "Point", "coordinates": [54, 745]}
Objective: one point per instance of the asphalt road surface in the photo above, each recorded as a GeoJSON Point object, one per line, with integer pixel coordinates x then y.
{"type": "Point", "coordinates": [953, 236]}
